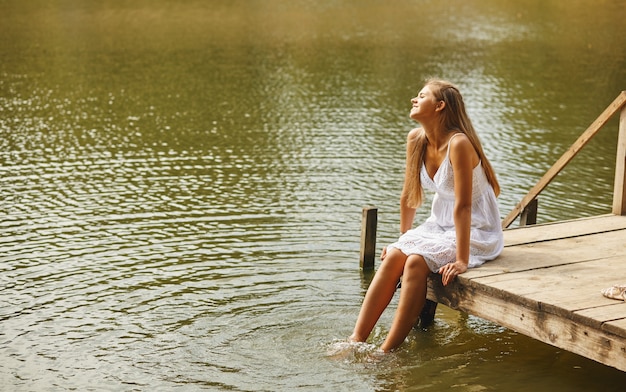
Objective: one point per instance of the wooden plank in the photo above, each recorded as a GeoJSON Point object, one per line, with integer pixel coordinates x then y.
{"type": "Point", "coordinates": [562, 281]}
{"type": "Point", "coordinates": [612, 312]}
{"type": "Point", "coordinates": [548, 254]}
{"type": "Point", "coordinates": [582, 141]}
{"type": "Point", "coordinates": [616, 326]}
{"type": "Point", "coordinates": [619, 186]}
{"type": "Point", "coordinates": [598, 316]}
{"type": "Point", "coordinates": [564, 229]}
{"type": "Point", "coordinates": [481, 300]}
{"type": "Point", "coordinates": [610, 318]}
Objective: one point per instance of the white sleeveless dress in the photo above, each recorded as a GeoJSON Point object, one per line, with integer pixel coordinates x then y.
{"type": "Point", "coordinates": [435, 239]}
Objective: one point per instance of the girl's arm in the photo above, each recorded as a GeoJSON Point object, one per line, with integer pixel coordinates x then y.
{"type": "Point", "coordinates": [463, 158]}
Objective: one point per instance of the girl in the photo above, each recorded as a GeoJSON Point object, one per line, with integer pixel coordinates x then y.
{"type": "Point", "coordinates": [463, 230]}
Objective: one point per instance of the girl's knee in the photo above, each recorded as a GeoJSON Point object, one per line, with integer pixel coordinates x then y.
{"type": "Point", "coordinates": [394, 256]}
{"type": "Point", "coordinates": [415, 264]}
{"type": "Point", "coordinates": [394, 262]}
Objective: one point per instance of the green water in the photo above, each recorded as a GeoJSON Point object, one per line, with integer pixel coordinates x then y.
{"type": "Point", "coordinates": [182, 183]}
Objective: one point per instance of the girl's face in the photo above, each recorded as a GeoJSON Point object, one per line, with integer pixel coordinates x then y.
{"type": "Point", "coordinates": [425, 104]}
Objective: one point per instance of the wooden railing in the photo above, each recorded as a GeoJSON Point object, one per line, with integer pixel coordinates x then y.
{"type": "Point", "coordinates": [527, 208]}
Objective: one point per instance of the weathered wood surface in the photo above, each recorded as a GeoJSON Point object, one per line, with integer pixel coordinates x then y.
{"type": "Point", "coordinates": [369, 221]}
{"type": "Point", "coordinates": [547, 283]}
{"type": "Point", "coordinates": [619, 185]}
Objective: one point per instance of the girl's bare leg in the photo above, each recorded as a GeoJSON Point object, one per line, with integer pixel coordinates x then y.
{"type": "Point", "coordinates": [379, 294]}
{"type": "Point", "coordinates": [412, 299]}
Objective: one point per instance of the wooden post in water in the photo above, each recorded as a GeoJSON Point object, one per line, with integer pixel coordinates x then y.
{"type": "Point", "coordinates": [619, 186]}
{"type": "Point", "coordinates": [368, 237]}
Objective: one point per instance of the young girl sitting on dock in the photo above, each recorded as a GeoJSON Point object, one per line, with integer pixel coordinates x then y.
{"type": "Point", "coordinates": [463, 230]}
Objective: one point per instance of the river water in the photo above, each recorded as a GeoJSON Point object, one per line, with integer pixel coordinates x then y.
{"type": "Point", "coordinates": [182, 184]}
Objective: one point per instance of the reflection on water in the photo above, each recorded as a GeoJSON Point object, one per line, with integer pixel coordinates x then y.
{"type": "Point", "coordinates": [182, 183]}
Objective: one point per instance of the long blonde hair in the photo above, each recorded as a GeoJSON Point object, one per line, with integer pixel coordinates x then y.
{"type": "Point", "coordinates": [453, 118]}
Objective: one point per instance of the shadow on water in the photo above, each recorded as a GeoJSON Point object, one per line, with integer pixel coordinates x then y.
{"type": "Point", "coordinates": [182, 183]}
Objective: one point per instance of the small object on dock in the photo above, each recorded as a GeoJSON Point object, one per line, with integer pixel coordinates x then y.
{"type": "Point", "coordinates": [617, 291]}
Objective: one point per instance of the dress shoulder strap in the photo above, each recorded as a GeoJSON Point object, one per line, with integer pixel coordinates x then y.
{"type": "Point", "coordinates": [449, 140]}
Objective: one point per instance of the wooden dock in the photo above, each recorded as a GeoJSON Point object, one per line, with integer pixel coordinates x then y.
{"type": "Point", "coordinates": [547, 285]}
{"type": "Point", "coordinates": [547, 282]}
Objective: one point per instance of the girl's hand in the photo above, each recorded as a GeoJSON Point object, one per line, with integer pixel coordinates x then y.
{"type": "Point", "coordinates": [449, 271]}
{"type": "Point", "coordinates": [383, 254]}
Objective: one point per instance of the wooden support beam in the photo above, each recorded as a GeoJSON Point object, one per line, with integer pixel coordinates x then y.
{"type": "Point", "coordinates": [368, 237]}
{"type": "Point", "coordinates": [619, 186]}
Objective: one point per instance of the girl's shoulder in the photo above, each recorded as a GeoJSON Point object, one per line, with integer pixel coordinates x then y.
{"type": "Point", "coordinates": [460, 144]}
{"type": "Point", "coordinates": [414, 135]}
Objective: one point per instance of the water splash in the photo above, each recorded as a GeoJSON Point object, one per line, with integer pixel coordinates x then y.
{"type": "Point", "coordinates": [354, 352]}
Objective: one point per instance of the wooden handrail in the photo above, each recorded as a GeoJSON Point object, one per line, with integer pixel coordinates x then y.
{"type": "Point", "coordinates": [618, 196]}
{"type": "Point", "coordinates": [619, 185]}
